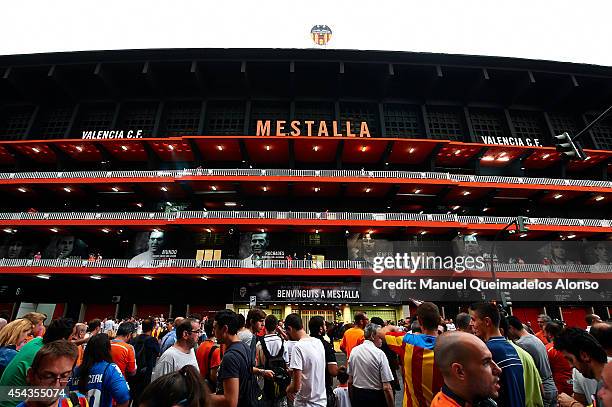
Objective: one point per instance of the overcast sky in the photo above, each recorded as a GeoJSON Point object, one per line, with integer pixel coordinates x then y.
{"type": "Point", "coordinates": [562, 30]}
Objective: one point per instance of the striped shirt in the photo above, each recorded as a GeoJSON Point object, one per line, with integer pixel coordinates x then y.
{"type": "Point", "coordinates": [512, 382]}
{"type": "Point", "coordinates": [422, 379]}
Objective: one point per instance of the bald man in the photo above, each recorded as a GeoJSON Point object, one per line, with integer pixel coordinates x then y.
{"type": "Point", "coordinates": [469, 372]}
{"type": "Point", "coordinates": [605, 392]}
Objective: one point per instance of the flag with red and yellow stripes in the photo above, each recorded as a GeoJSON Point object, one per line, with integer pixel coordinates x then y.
{"type": "Point", "coordinates": [422, 379]}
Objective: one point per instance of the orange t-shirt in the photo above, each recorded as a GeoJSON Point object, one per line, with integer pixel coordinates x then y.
{"type": "Point", "coordinates": [561, 370]}
{"type": "Point", "coordinates": [442, 400]}
{"type": "Point", "coordinates": [352, 337]}
{"type": "Point", "coordinates": [80, 357]}
{"type": "Point", "coordinates": [202, 357]}
{"type": "Point", "coordinates": [124, 356]}
{"type": "Point", "coordinates": [540, 335]}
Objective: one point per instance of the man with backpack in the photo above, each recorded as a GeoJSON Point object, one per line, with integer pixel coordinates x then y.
{"type": "Point", "coordinates": [272, 355]}
{"type": "Point", "coordinates": [236, 384]}
{"type": "Point", "coordinates": [208, 355]}
{"type": "Point", "coordinates": [146, 349]}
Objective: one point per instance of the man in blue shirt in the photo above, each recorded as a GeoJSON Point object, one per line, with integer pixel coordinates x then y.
{"type": "Point", "coordinates": [485, 323]}
{"type": "Point", "coordinates": [170, 337]}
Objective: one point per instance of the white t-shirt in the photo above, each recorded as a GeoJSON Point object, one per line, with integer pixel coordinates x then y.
{"type": "Point", "coordinates": [342, 396]}
{"type": "Point", "coordinates": [309, 356]}
{"type": "Point", "coordinates": [108, 326]}
{"type": "Point", "coordinates": [246, 337]}
{"type": "Point", "coordinates": [369, 367]}
{"type": "Point", "coordinates": [172, 360]}
{"type": "Point", "coordinates": [273, 343]}
{"type": "Point", "coordinates": [582, 385]}
{"type": "Point", "coordinates": [290, 345]}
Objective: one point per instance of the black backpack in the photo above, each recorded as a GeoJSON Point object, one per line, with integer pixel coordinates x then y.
{"type": "Point", "coordinates": [141, 357]}
{"type": "Point", "coordinates": [275, 388]}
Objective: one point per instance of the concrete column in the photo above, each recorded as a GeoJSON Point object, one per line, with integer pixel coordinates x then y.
{"type": "Point", "coordinates": [287, 310]}
{"type": "Point", "coordinates": [117, 311]}
{"type": "Point", "coordinates": [405, 311]}
{"type": "Point", "coordinates": [134, 309]}
{"type": "Point", "coordinates": [443, 312]}
{"type": "Point", "coordinates": [347, 315]}
{"type": "Point", "coordinates": [82, 312]}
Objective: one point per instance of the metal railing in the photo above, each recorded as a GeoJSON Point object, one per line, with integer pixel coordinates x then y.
{"type": "Point", "coordinates": [278, 264]}
{"type": "Point", "coordinates": [237, 172]}
{"type": "Point", "coordinates": [283, 215]}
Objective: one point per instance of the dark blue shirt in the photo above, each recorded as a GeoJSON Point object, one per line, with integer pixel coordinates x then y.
{"type": "Point", "coordinates": [7, 353]}
{"type": "Point", "coordinates": [512, 392]}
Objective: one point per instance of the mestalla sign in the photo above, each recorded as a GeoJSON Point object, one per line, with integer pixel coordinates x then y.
{"type": "Point", "coordinates": [312, 128]}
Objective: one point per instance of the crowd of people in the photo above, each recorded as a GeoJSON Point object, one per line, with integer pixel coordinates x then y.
{"type": "Point", "coordinates": [482, 358]}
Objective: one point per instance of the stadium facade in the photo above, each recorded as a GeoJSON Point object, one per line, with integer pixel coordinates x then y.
{"type": "Point", "coordinates": [174, 181]}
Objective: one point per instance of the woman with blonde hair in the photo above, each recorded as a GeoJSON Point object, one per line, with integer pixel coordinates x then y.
{"type": "Point", "coordinates": [12, 338]}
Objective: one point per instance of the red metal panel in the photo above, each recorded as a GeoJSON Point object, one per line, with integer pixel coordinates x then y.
{"type": "Point", "coordinates": [457, 154]}
{"type": "Point", "coordinates": [264, 189]}
{"type": "Point", "coordinates": [37, 151]}
{"type": "Point", "coordinates": [412, 152]}
{"type": "Point", "coordinates": [315, 149]}
{"type": "Point", "coordinates": [316, 189]}
{"type": "Point", "coordinates": [363, 151]}
{"type": "Point", "coordinates": [268, 150]}
{"type": "Point", "coordinates": [99, 311]}
{"type": "Point", "coordinates": [574, 316]}
{"type": "Point", "coordinates": [220, 149]}
{"type": "Point", "coordinates": [126, 150]}
{"type": "Point", "coordinates": [59, 310]}
{"type": "Point", "coordinates": [174, 150]}
{"type": "Point", "coordinates": [592, 160]}
{"type": "Point", "coordinates": [367, 190]}
{"type": "Point", "coordinates": [501, 156]}
{"type": "Point", "coordinates": [559, 197]}
{"type": "Point", "coordinates": [81, 151]}
{"type": "Point", "coordinates": [5, 156]}
{"type": "Point", "coordinates": [543, 158]}
{"type": "Point", "coordinates": [528, 314]}
{"type": "Point", "coordinates": [466, 194]}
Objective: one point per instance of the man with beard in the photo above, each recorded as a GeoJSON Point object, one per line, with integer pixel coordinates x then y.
{"type": "Point", "coordinates": [470, 374]}
{"type": "Point", "coordinates": [182, 352]}
{"type": "Point", "coordinates": [154, 249]}
{"type": "Point", "coordinates": [586, 355]}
